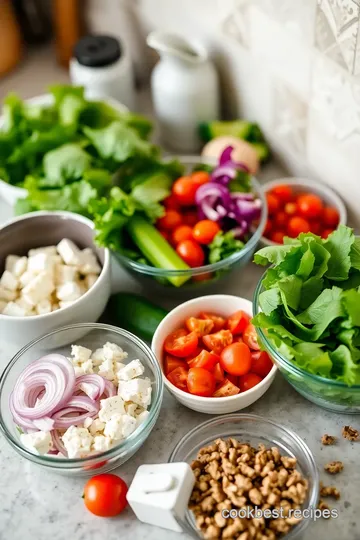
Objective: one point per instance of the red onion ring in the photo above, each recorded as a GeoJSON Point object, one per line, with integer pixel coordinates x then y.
{"type": "Point", "coordinates": [75, 404]}
{"type": "Point", "coordinates": [96, 382]}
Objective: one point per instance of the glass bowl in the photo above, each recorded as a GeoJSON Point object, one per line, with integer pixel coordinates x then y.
{"type": "Point", "coordinates": [253, 429]}
{"type": "Point", "coordinates": [92, 336]}
{"type": "Point", "coordinates": [203, 277]}
{"type": "Point", "coordinates": [332, 395]}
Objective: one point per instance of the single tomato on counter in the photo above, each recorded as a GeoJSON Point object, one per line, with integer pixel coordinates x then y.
{"type": "Point", "coordinates": [105, 495]}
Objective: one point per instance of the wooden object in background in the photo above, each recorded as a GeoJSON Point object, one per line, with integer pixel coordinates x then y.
{"type": "Point", "coordinates": [67, 27]}
{"type": "Point", "coordinates": [10, 38]}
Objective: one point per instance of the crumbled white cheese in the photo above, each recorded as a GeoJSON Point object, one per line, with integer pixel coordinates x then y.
{"type": "Point", "coordinates": [43, 307]}
{"type": "Point", "coordinates": [50, 250]}
{"type": "Point", "coordinates": [20, 267]}
{"type": "Point", "coordinates": [90, 280]}
{"type": "Point", "coordinates": [80, 354]}
{"type": "Point", "coordinates": [42, 262]}
{"type": "Point", "coordinates": [88, 262]}
{"type": "Point", "coordinates": [14, 310]}
{"type": "Point", "coordinates": [120, 426]}
{"type": "Point", "coordinates": [68, 292]}
{"type": "Point", "coordinates": [136, 390]}
{"type": "Point", "coordinates": [77, 442]}
{"type": "Point", "coordinates": [38, 442]}
{"type": "Point", "coordinates": [141, 417]}
{"type": "Point", "coordinates": [106, 370]}
{"type": "Point", "coordinates": [9, 281]}
{"type": "Point", "coordinates": [98, 357]}
{"type": "Point", "coordinates": [101, 443]}
{"type": "Point", "coordinates": [10, 262]}
{"type": "Point", "coordinates": [97, 426]}
{"type": "Point", "coordinates": [111, 406]}
{"type": "Point", "coordinates": [39, 288]}
{"type": "Point", "coordinates": [65, 274]}
{"type": "Point", "coordinates": [87, 423]}
{"type": "Point", "coordinates": [3, 305]}
{"type": "Point", "coordinates": [114, 352]}
{"type": "Point", "coordinates": [69, 252]}
{"type": "Point", "coordinates": [131, 370]}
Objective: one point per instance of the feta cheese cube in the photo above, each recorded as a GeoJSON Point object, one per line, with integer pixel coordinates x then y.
{"type": "Point", "coordinates": [79, 370]}
{"type": "Point", "coordinates": [97, 426]}
{"type": "Point", "coordinates": [80, 354]}
{"type": "Point", "coordinates": [38, 443]}
{"type": "Point", "coordinates": [87, 367]}
{"type": "Point", "coordinates": [64, 304]}
{"type": "Point", "coordinates": [130, 408]}
{"type": "Point", "coordinates": [24, 304]}
{"type": "Point", "coordinates": [110, 406]}
{"type": "Point", "coordinates": [14, 310]}
{"type": "Point", "coordinates": [106, 370]}
{"type": "Point", "coordinates": [120, 426]}
{"type": "Point", "coordinates": [87, 422]}
{"type": "Point", "coordinates": [77, 442]}
{"type": "Point", "coordinates": [43, 307]}
{"type": "Point", "coordinates": [118, 366]}
{"type": "Point", "coordinates": [9, 281]}
{"type": "Point", "coordinates": [6, 295]}
{"type": "Point", "coordinates": [131, 370]}
{"type": "Point", "coordinates": [113, 352]}
{"type": "Point", "coordinates": [89, 280]}
{"type": "Point", "coordinates": [141, 418]}
{"type": "Point", "coordinates": [55, 306]}
{"type": "Point", "coordinates": [89, 263]}
{"type": "Point", "coordinates": [101, 443]}
{"type": "Point", "coordinates": [69, 292]}
{"type": "Point", "coordinates": [10, 262]}
{"type": "Point", "coordinates": [2, 305]}
{"type": "Point", "coordinates": [42, 262]}
{"type": "Point", "coordinates": [20, 266]}
{"type": "Point", "coordinates": [64, 273]}
{"type": "Point", "coordinates": [39, 288]}
{"type": "Point", "coordinates": [136, 390]}
{"type": "Point", "coordinates": [98, 357]}
{"type": "Point", "coordinates": [50, 250]}
{"type": "Point", "coordinates": [26, 278]}
{"type": "Point", "coordinates": [69, 252]}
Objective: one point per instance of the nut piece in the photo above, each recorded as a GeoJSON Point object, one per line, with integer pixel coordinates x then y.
{"type": "Point", "coordinates": [327, 440]}
{"type": "Point", "coordinates": [334, 467]}
{"type": "Point", "coordinates": [323, 506]}
{"type": "Point", "coordinates": [350, 433]}
{"type": "Point", "coordinates": [329, 491]}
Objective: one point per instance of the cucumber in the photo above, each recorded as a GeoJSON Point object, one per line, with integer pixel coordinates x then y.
{"type": "Point", "coordinates": [136, 314]}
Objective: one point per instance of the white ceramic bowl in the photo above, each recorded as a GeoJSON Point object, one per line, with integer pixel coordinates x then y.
{"type": "Point", "coordinates": [301, 185]}
{"type": "Point", "coordinates": [40, 229]}
{"type": "Point", "coordinates": [224, 305]}
{"type": "Point", "coordinates": [10, 193]}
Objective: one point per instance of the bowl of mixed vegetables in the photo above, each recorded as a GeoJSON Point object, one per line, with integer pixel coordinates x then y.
{"type": "Point", "coordinates": [307, 315]}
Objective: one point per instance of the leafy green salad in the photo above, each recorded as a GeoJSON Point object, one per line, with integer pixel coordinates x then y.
{"type": "Point", "coordinates": [310, 305]}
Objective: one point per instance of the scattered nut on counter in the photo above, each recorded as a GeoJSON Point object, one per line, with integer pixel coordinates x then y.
{"type": "Point", "coordinates": [327, 440]}
{"type": "Point", "coordinates": [234, 475]}
{"type": "Point", "coordinates": [350, 433]}
{"type": "Point", "coordinates": [47, 279]}
{"type": "Point", "coordinates": [329, 491]}
{"type": "Point", "coordinates": [334, 467]}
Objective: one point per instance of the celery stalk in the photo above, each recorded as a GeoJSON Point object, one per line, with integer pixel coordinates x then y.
{"type": "Point", "coordinates": [155, 248]}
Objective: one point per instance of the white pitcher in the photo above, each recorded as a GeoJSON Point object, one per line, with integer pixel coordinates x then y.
{"type": "Point", "coordinates": [185, 90]}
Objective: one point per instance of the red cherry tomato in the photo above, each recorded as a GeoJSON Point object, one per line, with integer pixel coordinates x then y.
{"type": "Point", "coordinates": [201, 382]}
{"type": "Point", "coordinates": [171, 202]}
{"type": "Point", "coordinates": [268, 228]}
{"type": "Point", "coordinates": [206, 360]}
{"type": "Point", "coordinates": [283, 192]}
{"type": "Point", "coordinates": [201, 327]}
{"type": "Point", "coordinates": [105, 495]}
{"type": "Point", "coordinates": [326, 233]}
{"type": "Point", "coordinates": [330, 216]}
{"type": "Point", "coordinates": [315, 227]}
{"type": "Point", "coordinates": [250, 337]}
{"type": "Point", "coordinates": [219, 322]}
{"type": "Point", "coordinates": [280, 219]}
{"type": "Point", "coordinates": [277, 237]}
{"type": "Point", "coordinates": [290, 208]}
{"type": "Point", "coordinates": [184, 189]}
{"type": "Point", "coordinates": [206, 276]}
{"type": "Point", "coordinates": [190, 217]}
{"type": "Point", "coordinates": [249, 381]}
{"type": "Point", "coordinates": [236, 359]}
{"type": "Point", "coordinates": [205, 231]}
{"type": "Point", "coordinates": [171, 363]}
{"type": "Point", "coordinates": [237, 322]}
{"type": "Point", "coordinates": [194, 354]}
{"type": "Point", "coordinates": [226, 389]}
{"type": "Point", "coordinates": [309, 205]}
{"type": "Point", "coordinates": [272, 203]}
{"type": "Point", "coordinates": [170, 220]}
{"type": "Point", "coordinates": [178, 377]}
{"type": "Point", "coordinates": [218, 341]}
{"type": "Point", "coordinates": [297, 225]}
{"type": "Point", "coordinates": [191, 252]}
{"type": "Point", "coordinates": [261, 363]}
{"type": "Point", "coordinates": [200, 178]}
{"type": "Point", "coordinates": [181, 233]}
{"type": "Point", "coordinates": [180, 343]}
{"type": "Point", "coordinates": [219, 373]}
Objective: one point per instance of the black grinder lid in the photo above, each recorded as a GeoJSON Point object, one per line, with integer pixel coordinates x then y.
{"type": "Point", "coordinates": [97, 51]}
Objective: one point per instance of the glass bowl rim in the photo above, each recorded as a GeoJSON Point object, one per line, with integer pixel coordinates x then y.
{"type": "Point", "coordinates": [251, 244]}
{"type": "Point", "coordinates": [112, 452]}
{"type": "Point", "coordinates": [290, 366]}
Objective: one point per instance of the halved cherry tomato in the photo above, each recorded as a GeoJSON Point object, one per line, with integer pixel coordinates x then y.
{"type": "Point", "coordinates": [191, 252]}
{"type": "Point", "coordinates": [237, 322]}
{"type": "Point", "coordinates": [280, 219]}
{"type": "Point", "coordinates": [201, 382]}
{"type": "Point", "coordinates": [250, 337]}
{"type": "Point", "coordinates": [315, 227]}
{"type": "Point", "coordinates": [283, 192]}
{"type": "Point", "coordinates": [218, 341]}
{"type": "Point", "coordinates": [171, 202]}
{"type": "Point", "coordinates": [178, 377]}
{"type": "Point", "coordinates": [249, 381]}
{"type": "Point", "coordinates": [190, 217]}
{"type": "Point", "coordinates": [290, 208]}
{"type": "Point", "coordinates": [184, 190]}
{"type": "Point", "coordinates": [206, 360]}
{"type": "Point", "coordinates": [277, 237]}
{"type": "Point", "coordinates": [219, 322]}
{"type": "Point", "coordinates": [180, 343]}
{"type": "Point", "coordinates": [261, 363]}
{"type": "Point", "coordinates": [226, 389]}
{"type": "Point", "coordinates": [219, 373]}
{"type": "Point", "coordinates": [201, 327]}
{"type": "Point", "coordinates": [238, 339]}
{"type": "Point", "coordinates": [200, 177]}
{"type": "Point", "coordinates": [309, 205]}
{"type": "Point", "coordinates": [272, 203]}
{"type": "Point", "coordinates": [205, 231]}
{"type": "Point", "coordinates": [171, 363]}
{"type": "Point", "coordinates": [297, 225]}
{"type": "Point", "coordinates": [330, 216]}
{"type": "Point", "coordinates": [326, 233]}
{"type": "Point", "coordinates": [181, 233]}
{"type": "Point", "coordinates": [194, 354]}
{"type": "Point", "coordinates": [170, 220]}
{"type": "Point", "coordinates": [268, 228]}
{"type": "Point", "coordinates": [105, 495]}
{"type": "Point", "coordinates": [236, 359]}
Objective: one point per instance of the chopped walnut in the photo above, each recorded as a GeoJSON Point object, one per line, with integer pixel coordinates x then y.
{"type": "Point", "coordinates": [323, 505]}
{"type": "Point", "coordinates": [334, 467]}
{"type": "Point", "coordinates": [327, 440]}
{"type": "Point", "coordinates": [329, 491]}
{"type": "Point", "coordinates": [350, 433]}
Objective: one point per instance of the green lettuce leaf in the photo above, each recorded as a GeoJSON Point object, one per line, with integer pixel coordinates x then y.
{"type": "Point", "coordinates": [224, 245]}
{"type": "Point", "coordinates": [65, 164]}
{"type": "Point", "coordinates": [339, 244]}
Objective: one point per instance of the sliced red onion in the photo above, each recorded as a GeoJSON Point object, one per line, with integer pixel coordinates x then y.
{"type": "Point", "coordinates": [57, 442]}
{"type": "Point", "coordinates": [76, 404]}
{"type": "Point", "coordinates": [110, 389]}
{"type": "Point", "coordinates": [96, 382]}
{"type": "Point", "coordinates": [224, 174]}
{"type": "Point", "coordinates": [226, 160]}
{"type": "Point", "coordinates": [211, 195]}
{"type": "Point", "coordinates": [44, 424]}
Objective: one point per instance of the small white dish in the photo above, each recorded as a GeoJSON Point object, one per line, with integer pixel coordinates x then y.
{"type": "Point", "coordinates": [224, 305]}
{"type": "Point", "coordinates": [301, 185]}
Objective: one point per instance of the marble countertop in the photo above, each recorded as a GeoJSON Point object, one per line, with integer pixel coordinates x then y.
{"type": "Point", "coordinates": [37, 505]}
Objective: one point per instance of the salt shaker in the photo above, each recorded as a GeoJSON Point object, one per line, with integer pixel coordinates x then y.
{"type": "Point", "coordinates": [103, 66]}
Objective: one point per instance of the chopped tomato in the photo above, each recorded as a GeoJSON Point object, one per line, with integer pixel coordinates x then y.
{"type": "Point", "coordinates": [190, 217]}
{"type": "Point", "coordinates": [250, 337]}
{"type": "Point", "coordinates": [218, 341]}
{"type": "Point", "coordinates": [181, 233]}
{"type": "Point", "coordinates": [226, 389]}
{"type": "Point", "coordinates": [206, 276]}
{"type": "Point", "coordinates": [171, 202]}
{"type": "Point", "coordinates": [184, 190]}
{"type": "Point", "coordinates": [237, 322]}
{"type": "Point", "coordinates": [326, 233]}
{"type": "Point", "coordinates": [283, 192]}
{"type": "Point", "coordinates": [272, 203]}
{"type": "Point", "coordinates": [249, 381]}
{"type": "Point", "coordinates": [309, 205]}
{"type": "Point", "coordinates": [200, 326]}
{"type": "Point", "coordinates": [315, 227]}
{"type": "Point", "coordinates": [194, 354]}
{"type": "Point", "coordinates": [170, 220]}
{"type": "Point", "coordinates": [219, 322]}
{"type": "Point", "coordinates": [236, 359]}
{"type": "Point", "coordinates": [261, 363]}
{"type": "Point", "coordinates": [219, 373]}
{"type": "Point", "coordinates": [280, 220]}
{"type": "Point", "coordinates": [233, 379]}
{"type": "Point", "coordinates": [290, 208]}
{"type": "Point", "coordinates": [191, 252]}
{"type": "Point", "coordinates": [171, 363]}
{"type": "Point", "coordinates": [330, 216]}
{"type": "Point", "coordinates": [200, 177]}
{"type": "Point", "coordinates": [206, 360]}
{"type": "Point", "coordinates": [268, 227]}
{"type": "Point", "coordinates": [298, 225]}
{"type": "Point", "coordinates": [238, 339]}
{"type": "Point", "coordinates": [178, 378]}
{"type": "Point", "coordinates": [277, 237]}
{"type": "Point", "coordinates": [205, 231]}
{"type": "Point", "coordinates": [180, 343]}
{"type": "Point", "coordinates": [201, 382]}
